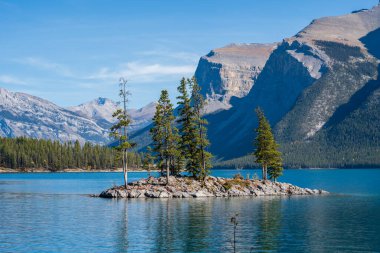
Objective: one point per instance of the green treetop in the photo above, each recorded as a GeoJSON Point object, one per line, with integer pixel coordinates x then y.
{"type": "Point", "coordinates": [187, 129]}
{"type": "Point", "coordinates": [203, 158]}
{"type": "Point", "coordinates": [267, 153]}
{"type": "Point", "coordinates": [165, 135]}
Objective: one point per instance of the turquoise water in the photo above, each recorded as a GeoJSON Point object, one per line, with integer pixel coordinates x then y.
{"type": "Point", "coordinates": [52, 212]}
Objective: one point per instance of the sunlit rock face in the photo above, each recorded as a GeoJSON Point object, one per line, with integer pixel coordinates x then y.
{"type": "Point", "coordinates": [323, 76]}
{"type": "Point", "coordinates": [230, 71]}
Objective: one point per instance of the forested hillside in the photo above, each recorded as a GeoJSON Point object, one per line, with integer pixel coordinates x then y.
{"type": "Point", "coordinates": [25, 153]}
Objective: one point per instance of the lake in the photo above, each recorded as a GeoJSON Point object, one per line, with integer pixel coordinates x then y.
{"type": "Point", "coordinates": [53, 212]}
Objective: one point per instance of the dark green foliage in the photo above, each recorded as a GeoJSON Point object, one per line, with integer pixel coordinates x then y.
{"type": "Point", "coordinates": [247, 161]}
{"type": "Point", "coordinates": [24, 153]}
{"type": "Point", "coordinates": [339, 51]}
{"type": "Point", "coordinates": [266, 152]}
{"type": "Point", "coordinates": [187, 129]}
{"type": "Point", "coordinates": [148, 160]}
{"type": "Point", "coordinates": [202, 157]}
{"type": "Point", "coordinates": [165, 136]}
{"type": "Point", "coordinates": [193, 140]}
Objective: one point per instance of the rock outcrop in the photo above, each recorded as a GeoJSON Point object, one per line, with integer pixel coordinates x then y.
{"type": "Point", "coordinates": [230, 71]}
{"type": "Point", "coordinates": [186, 187]}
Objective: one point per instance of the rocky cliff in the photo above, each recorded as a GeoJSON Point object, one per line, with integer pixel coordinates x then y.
{"type": "Point", "coordinates": [311, 85]}
{"type": "Point", "coordinates": [230, 71]}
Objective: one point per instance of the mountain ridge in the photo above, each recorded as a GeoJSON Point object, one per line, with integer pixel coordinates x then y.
{"type": "Point", "coordinates": [22, 114]}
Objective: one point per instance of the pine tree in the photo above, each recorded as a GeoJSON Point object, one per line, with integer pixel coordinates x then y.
{"type": "Point", "coordinates": [119, 130]}
{"type": "Point", "coordinates": [164, 134]}
{"type": "Point", "coordinates": [267, 153]}
{"type": "Point", "coordinates": [187, 129]}
{"type": "Point", "coordinates": [148, 159]}
{"type": "Point", "coordinates": [202, 157]}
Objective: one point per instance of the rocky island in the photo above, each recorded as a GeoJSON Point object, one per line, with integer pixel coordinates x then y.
{"type": "Point", "coordinates": [188, 187]}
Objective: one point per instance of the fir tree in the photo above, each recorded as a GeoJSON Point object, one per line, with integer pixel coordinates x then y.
{"type": "Point", "coordinates": [148, 160]}
{"type": "Point", "coordinates": [187, 129]}
{"type": "Point", "coordinates": [203, 158]}
{"type": "Point", "coordinates": [164, 134]}
{"type": "Point", "coordinates": [267, 153]}
{"type": "Point", "coordinates": [25, 153]}
{"type": "Point", "coordinates": [119, 130]}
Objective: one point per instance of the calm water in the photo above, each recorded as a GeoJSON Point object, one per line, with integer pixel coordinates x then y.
{"type": "Point", "coordinates": [53, 213]}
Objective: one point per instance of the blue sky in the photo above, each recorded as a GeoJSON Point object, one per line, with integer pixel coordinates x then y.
{"type": "Point", "coordinates": [72, 51]}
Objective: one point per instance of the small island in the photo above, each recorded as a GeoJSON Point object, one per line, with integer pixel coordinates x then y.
{"type": "Point", "coordinates": [176, 150]}
{"type": "Point", "coordinates": [188, 187]}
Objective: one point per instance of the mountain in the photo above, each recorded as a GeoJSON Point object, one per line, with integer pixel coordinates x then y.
{"type": "Point", "coordinates": [142, 117]}
{"type": "Point", "coordinates": [100, 110]}
{"type": "Point", "coordinates": [230, 71]}
{"type": "Point", "coordinates": [319, 89]}
{"type": "Point", "coordinates": [25, 115]}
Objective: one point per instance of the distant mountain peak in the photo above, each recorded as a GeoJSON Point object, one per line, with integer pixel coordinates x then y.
{"type": "Point", "coordinates": [26, 115]}
{"type": "Point", "coordinates": [22, 114]}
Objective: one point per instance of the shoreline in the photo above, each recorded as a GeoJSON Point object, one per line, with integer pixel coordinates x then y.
{"type": "Point", "coordinates": [29, 171]}
{"type": "Point", "coordinates": [188, 187]}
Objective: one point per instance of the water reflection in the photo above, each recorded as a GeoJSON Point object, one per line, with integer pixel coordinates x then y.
{"type": "Point", "coordinates": [199, 225]}
{"type": "Point", "coordinates": [41, 215]}
{"type": "Point", "coordinates": [269, 221]}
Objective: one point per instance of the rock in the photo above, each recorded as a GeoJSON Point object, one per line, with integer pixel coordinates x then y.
{"type": "Point", "coordinates": [134, 194]}
{"type": "Point", "coordinates": [202, 194]}
{"type": "Point", "coordinates": [122, 194]}
{"type": "Point", "coordinates": [151, 194]}
{"type": "Point", "coordinates": [186, 195]}
{"type": "Point", "coordinates": [177, 194]}
{"type": "Point", "coordinates": [164, 194]}
{"type": "Point", "coordinates": [185, 187]}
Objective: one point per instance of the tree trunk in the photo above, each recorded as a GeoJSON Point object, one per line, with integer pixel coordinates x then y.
{"type": "Point", "coordinates": [203, 172]}
{"type": "Point", "coordinates": [263, 173]}
{"type": "Point", "coordinates": [125, 168]}
{"type": "Point", "coordinates": [167, 172]}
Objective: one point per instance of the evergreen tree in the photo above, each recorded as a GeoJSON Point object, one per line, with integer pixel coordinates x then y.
{"type": "Point", "coordinates": [267, 153]}
{"type": "Point", "coordinates": [203, 158]}
{"type": "Point", "coordinates": [148, 160]}
{"type": "Point", "coordinates": [119, 129]}
{"type": "Point", "coordinates": [187, 129]}
{"type": "Point", "coordinates": [25, 153]}
{"type": "Point", "coordinates": [164, 134]}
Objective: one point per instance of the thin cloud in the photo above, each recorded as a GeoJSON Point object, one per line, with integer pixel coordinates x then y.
{"type": "Point", "coordinates": [7, 79]}
{"type": "Point", "coordinates": [186, 56]}
{"type": "Point", "coordinates": [46, 65]}
{"type": "Point", "coordinates": [139, 72]}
